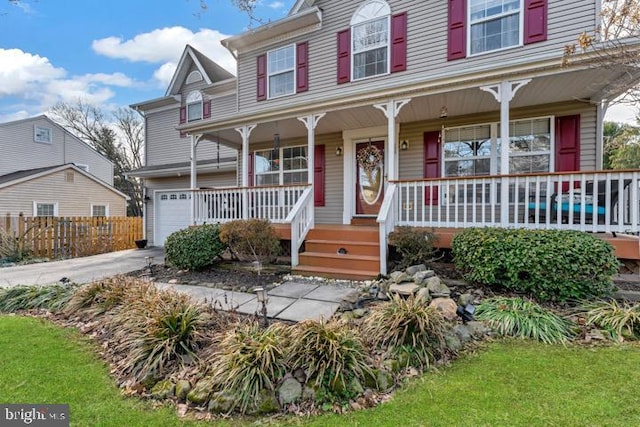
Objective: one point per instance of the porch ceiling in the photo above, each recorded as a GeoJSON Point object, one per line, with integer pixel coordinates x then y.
{"type": "Point", "coordinates": [586, 85]}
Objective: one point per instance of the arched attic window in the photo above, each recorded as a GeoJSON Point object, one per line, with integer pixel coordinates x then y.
{"type": "Point", "coordinates": [193, 77]}
{"type": "Point", "coordinates": [194, 106]}
{"type": "Point", "coordinates": [370, 39]}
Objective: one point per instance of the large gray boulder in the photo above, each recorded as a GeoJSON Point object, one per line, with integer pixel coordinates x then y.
{"type": "Point", "coordinates": [290, 391]}
{"type": "Point", "coordinates": [437, 289]}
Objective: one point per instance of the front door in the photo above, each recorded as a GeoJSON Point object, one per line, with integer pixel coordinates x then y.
{"type": "Point", "coordinates": [369, 177]}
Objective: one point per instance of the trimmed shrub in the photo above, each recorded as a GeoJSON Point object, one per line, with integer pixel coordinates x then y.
{"type": "Point", "coordinates": [555, 265]}
{"type": "Point", "coordinates": [414, 245]}
{"type": "Point", "coordinates": [252, 239]}
{"type": "Point", "coordinates": [407, 326]}
{"type": "Point", "coordinates": [194, 248]}
{"type": "Point", "coordinates": [520, 318]}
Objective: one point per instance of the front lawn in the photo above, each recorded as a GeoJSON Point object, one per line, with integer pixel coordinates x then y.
{"type": "Point", "coordinates": [511, 383]}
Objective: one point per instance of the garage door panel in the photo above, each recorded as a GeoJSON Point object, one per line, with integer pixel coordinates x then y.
{"type": "Point", "coordinates": [172, 213]}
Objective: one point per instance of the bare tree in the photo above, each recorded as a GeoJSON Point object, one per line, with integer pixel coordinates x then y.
{"type": "Point", "coordinates": [121, 140]}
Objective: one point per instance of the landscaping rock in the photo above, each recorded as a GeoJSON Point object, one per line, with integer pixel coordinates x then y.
{"type": "Point", "coordinates": [289, 391]}
{"type": "Point", "coordinates": [267, 403]}
{"type": "Point", "coordinates": [423, 294]}
{"type": "Point", "coordinates": [446, 306]}
{"type": "Point", "coordinates": [384, 380]}
{"type": "Point", "coordinates": [183, 387]}
{"type": "Point", "coordinates": [463, 333]}
{"type": "Point", "coordinates": [437, 289]}
{"type": "Point", "coordinates": [415, 268]}
{"type": "Point", "coordinates": [452, 341]}
{"type": "Point", "coordinates": [199, 393]}
{"type": "Point", "coordinates": [420, 278]}
{"type": "Point", "coordinates": [465, 299]}
{"type": "Point", "coordinates": [308, 393]}
{"type": "Point", "coordinates": [300, 375]}
{"type": "Point", "coordinates": [404, 289]}
{"type": "Point", "coordinates": [355, 387]}
{"type": "Point", "coordinates": [400, 277]}
{"type": "Point", "coordinates": [359, 313]}
{"type": "Point", "coordinates": [478, 329]}
{"type": "Point", "coordinates": [163, 390]}
{"type": "Point", "coordinates": [222, 402]}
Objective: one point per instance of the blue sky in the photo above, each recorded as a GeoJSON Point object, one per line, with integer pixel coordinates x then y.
{"type": "Point", "coordinates": [110, 53]}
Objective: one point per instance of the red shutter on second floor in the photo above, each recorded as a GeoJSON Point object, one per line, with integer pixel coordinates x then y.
{"type": "Point", "coordinates": [206, 109]}
{"type": "Point", "coordinates": [183, 115]}
{"type": "Point", "coordinates": [431, 165]}
{"type": "Point", "coordinates": [318, 175]}
{"type": "Point", "coordinates": [399, 42]}
{"type": "Point", "coordinates": [535, 21]}
{"type": "Point", "coordinates": [302, 67]}
{"type": "Point", "coordinates": [344, 56]}
{"type": "Point", "coordinates": [567, 141]}
{"type": "Point", "coordinates": [457, 37]}
{"type": "Point", "coordinates": [262, 77]}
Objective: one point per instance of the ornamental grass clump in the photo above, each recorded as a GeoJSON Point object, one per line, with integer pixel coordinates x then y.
{"type": "Point", "coordinates": [249, 359]}
{"type": "Point", "coordinates": [101, 296]}
{"type": "Point", "coordinates": [52, 297]}
{"type": "Point", "coordinates": [407, 326]}
{"type": "Point", "coordinates": [522, 318]}
{"type": "Point", "coordinates": [621, 320]}
{"type": "Point", "coordinates": [330, 352]}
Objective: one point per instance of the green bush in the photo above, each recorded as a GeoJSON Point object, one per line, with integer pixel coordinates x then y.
{"type": "Point", "coordinates": [520, 318]}
{"type": "Point", "coordinates": [413, 244]}
{"type": "Point", "coordinates": [194, 248]}
{"type": "Point", "coordinates": [407, 326]}
{"type": "Point", "coordinates": [555, 265]}
{"type": "Point", "coordinates": [252, 239]}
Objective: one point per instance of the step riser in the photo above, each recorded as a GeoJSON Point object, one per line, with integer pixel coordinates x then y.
{"type": "Point", "coordinates": [366, 235]}
{"type": "Point", "coordinates": [346, 264]}
{"type": "Point", "coordinates": [332, 248]}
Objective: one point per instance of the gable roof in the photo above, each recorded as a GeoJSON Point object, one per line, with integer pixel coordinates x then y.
{"type": "Point", "coordinates": [211, 72]}
{"type": "Point", "coordinates": [301, 5]}
{"type": "Point", "coordinates": [18, 177]}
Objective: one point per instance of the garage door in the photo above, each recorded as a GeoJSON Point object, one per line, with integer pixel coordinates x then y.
{"type": "Point", "coordinates": [172, 214]}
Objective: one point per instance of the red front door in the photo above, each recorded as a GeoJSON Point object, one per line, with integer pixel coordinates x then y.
{"type": "Point", "coordinates": [369, 177]}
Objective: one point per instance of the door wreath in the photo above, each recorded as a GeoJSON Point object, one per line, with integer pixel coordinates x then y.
{"type": "Point", "coordinates": [369, 158]}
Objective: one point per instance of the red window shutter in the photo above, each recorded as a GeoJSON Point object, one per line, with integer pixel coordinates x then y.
{"type": "Point", "coordinates": [457, 40]}
{"type": "Point", "coordinates": [183, 115]}
{"type": "Point", "coordinates": [568, 143]}
{"type": "Point", "coordinates": [431, 165]}
{"type": "Point", "coordinates": [262, 77]}
{"type": "Point", "coordinates": [344, 56]}
{"type": "Point", "coordinates": [535, 21]}
{"type": "Point", "coordinates": [318, 175]}
{"type": "Point", "coordinates": [206, 109]}
{"type": "Point", "coordinates": [302, 67]}
{"type": "Point", "coordinates": [399, 42]}
{"type": "Point", "coordinates": [250, 169]}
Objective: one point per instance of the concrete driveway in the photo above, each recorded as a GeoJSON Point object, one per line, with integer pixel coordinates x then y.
{"type": "Point", "coordinates": [80, 270]}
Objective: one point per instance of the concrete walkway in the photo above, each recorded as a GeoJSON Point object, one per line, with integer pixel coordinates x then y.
{"type": "Point", "coordinates": [80, 270]}
{"type": "Point", "coordinates": [292, 301]}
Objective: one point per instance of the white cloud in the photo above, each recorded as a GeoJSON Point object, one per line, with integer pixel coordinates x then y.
{"type": "Point", "coordinates": [21, 72]}
{"type": "Point", "coordinates": [164, 46]}
{"type": "Point", "coordinates": [622, 113]}
{"type": "Point", "coordinates": [276, 5]}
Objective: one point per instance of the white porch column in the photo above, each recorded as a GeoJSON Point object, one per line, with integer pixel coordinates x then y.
{"type": "Point", "coordinates": [245, 132]}
{"type": "Point", "coordinates": [391, 110]}
{"type": "Point", "coordinates": [504, 93]}
{"type": "Point", "coordinates": [311, 121]}
{"type": "Point", "coordinates": [195, 139]}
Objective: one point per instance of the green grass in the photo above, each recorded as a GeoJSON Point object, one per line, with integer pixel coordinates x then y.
{"type": "Point", "coordinates": [512, 383]}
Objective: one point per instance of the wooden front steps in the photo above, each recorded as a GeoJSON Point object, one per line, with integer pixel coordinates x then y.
{"type": "Point", "coordinates": [342, 252]}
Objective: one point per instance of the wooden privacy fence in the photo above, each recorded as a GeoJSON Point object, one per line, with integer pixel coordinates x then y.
{"type": "Point", "coordinates": [56, 237]}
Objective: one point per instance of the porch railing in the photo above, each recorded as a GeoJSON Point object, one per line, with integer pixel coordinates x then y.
{"type": "Point", "coordinates": [603, 201]}
{"type": "Point", "coordinates": [228, 204]}
{"type": "Point", "coordinates": [386, 222]}
{"type": "Point", "coordinates": [301, 218]}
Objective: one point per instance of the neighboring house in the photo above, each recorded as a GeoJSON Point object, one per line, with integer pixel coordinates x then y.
{"type": "Point", "coordinates": [388, 113]}
{"type": "Point", "coordinates": [46, 171]}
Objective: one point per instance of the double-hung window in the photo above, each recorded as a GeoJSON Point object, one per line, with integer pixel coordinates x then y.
{"type": "Point", "coordinates": [370, 39]}
{"type": "Point", "coordinates": [494, 25]}
{"type": "Point", "coordinates": [45, 209]}
{"type": "Point", "coordinates": [530, 146]}
{"type": "Point", "coordinates": [99, 210]}
{"type": "Point", "coordinates": [194, 106]}
{"type": "Point", "coordinates": [467, 151]}
{"type": "Point", "coordinates": [281, 69]}
{"type": "Point", "coordinates": [287, 165]}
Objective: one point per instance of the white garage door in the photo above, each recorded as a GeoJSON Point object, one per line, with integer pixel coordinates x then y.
{"type": "Point", "coordinates": [172, 214]}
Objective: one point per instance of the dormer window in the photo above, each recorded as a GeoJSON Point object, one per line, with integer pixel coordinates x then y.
{"type": "Point", "coordinates": [193, 77]}
{"type": "Point", "coordinates": [194, 106]}
{"type": "Point", "coordinates": [370, 39]}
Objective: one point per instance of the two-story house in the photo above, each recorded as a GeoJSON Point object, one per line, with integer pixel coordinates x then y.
{"type": "Point", "coordinates": [354, 117]}
{"type": "Point", "coordinates": [47, 171]}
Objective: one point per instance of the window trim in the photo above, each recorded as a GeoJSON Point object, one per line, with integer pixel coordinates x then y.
{"type": "Point", "coordinates": [293, 47]}
{"type": "Point", "coordinates": [35, 209]}
{"type": "Point", "coordinates": [106, 209]}
{"type": "Point", "coordinates": [194, 77]}
{"type": "Point", "coordinates": [281, 172]}
{"type": "Point", "coordinates": [469, 23]}
{"type": "Point", "coordinates": [352, 50]}
{"type": "Point", "coordinates": [39, 140]}
{"type": "Point", "coordinates": [190, 101]}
